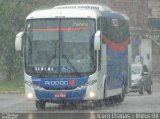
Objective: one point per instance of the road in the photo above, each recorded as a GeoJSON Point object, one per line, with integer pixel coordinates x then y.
{"type": "Point", "coordinates": [134, 103]}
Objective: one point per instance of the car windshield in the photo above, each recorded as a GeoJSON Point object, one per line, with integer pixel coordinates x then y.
{"type": "Point", "coordinates": [136, 69]}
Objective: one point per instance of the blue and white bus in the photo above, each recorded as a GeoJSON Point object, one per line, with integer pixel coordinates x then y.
{"type": "Point", "coordinates": [75, 53]}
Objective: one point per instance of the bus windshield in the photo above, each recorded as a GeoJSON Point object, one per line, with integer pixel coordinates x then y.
{"type": "Point", "coordinates": [60, 46]}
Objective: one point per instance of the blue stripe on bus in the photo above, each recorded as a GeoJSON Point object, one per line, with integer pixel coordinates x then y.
{"type": "Point", "coordinates": [49, 82]}
{"type": "Point", "coordinates": [117, 68]}
{"type": "Point", "coordinates": [70, 95]}
{"type": "Point", "coordinates": [48, 95]}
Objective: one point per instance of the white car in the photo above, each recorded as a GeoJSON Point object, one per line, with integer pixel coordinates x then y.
{"type": "Point", "coordinates": [140, 79]}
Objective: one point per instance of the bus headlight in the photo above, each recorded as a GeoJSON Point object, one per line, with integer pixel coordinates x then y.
{"type": "Point", "coordinates": [30, 95]}
{"type": "Point", "coordinates": [87, 84]}
{"type": "Point", "coordinates": [34, 86]}
{"type": "Point", "coordinates": [91, 94]}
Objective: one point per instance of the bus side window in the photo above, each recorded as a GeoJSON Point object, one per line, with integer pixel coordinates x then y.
{"type": "Point", "coordinates": [124, 30]}
{"type": "Point", "coordinates": [108, 29]}
{"type": "Point", "coordinates": [99, 52]}
{"type": "Point", "coordinates": [103, 28]}
{"type": "Point", "coordinates": [99, 59]}
{"type": "Point", "coordinates": [99, 24]}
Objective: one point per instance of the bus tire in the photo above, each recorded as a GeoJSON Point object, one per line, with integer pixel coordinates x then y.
{"type": "Point", "coordinates": [105, 99]}
{"type": "Point", "coordinates": [40, 104]}
{"type": "Point", "coordinates": [120, 98]}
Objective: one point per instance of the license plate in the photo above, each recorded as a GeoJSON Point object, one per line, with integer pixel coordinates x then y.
{"type": "Point", "coordinates": [60, 95]}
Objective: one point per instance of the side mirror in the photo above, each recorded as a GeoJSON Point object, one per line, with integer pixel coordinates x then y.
{"type": "Point", "coordinates": [18, 41]}
{"type": "Point", "coordinates": [97, 40]}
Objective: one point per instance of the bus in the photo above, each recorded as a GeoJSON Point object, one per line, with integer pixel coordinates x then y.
{"type": "Point", "coordinates": [75, 53]}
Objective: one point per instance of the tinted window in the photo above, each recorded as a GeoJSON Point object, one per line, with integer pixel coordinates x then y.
{"type": "Point", "coordinates": [115, 30]}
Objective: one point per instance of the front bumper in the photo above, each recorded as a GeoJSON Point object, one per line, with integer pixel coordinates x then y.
{"type": "Point", "coordinates": [50, 96]}
{"type": "Point", "coordinates": [135, 86]}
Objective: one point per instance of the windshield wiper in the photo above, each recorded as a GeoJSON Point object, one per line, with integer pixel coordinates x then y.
{"type": "Point", "coordinates": [49, 61]}
{"type": "Point", "coordinates": [68, 61]}
{"type": "Point", "coordinates": [53, 57]}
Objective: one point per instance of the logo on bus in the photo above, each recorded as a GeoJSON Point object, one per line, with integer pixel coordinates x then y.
{"type": "Point", "coordinates": [60, 83]}
{"type": "Point", "coordinates": [71, 82]}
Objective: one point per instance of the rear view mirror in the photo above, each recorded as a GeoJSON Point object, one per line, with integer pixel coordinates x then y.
{"type": "Point", "coordinates": [18, 41]}
{"type": "Point", "coordinates": [97, 40]}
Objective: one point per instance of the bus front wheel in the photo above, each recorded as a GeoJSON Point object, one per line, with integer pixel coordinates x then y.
{"type": "Point", "coordinates": [40, 104]}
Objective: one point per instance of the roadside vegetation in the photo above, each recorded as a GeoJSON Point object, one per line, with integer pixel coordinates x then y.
{"type": "Point", "coordinates": [14, 85]}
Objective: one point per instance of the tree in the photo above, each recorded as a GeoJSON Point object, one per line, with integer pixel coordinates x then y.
{"type": "Point", "coordinates": [14, 13]}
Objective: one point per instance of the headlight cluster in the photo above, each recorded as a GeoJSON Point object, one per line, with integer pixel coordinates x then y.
{"type": "Point", "coordinates": [34, 86]}
{"type": "Point", "coordinates": [87, 84]}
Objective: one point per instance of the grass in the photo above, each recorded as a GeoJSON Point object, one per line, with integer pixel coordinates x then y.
{"type": "Point", "coordinates": [12, 86]}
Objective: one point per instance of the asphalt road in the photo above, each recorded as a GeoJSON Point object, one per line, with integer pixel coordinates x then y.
{"type": "Point", "coordinates": [134, 103]}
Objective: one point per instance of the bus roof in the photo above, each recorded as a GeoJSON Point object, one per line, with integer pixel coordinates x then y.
{"type": "Point", "coordinates": [68, 11]}
{"type": "Point", "coordinates": [84, 6]}
{"type": "Point", "coordinates": [76, 11]}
